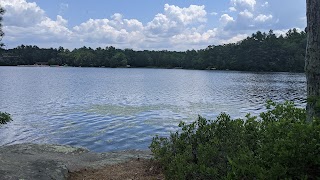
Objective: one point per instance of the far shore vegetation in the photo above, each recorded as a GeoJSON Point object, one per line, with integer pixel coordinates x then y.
{"type": "Point", "coordinates": [259, 52]}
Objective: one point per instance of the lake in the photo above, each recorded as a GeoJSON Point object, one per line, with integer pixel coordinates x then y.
{"type": "Point", "coordinates": [106, 109]}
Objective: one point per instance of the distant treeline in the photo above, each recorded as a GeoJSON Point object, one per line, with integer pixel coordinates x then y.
{"type": "Point", "coordinates": [259, 52]}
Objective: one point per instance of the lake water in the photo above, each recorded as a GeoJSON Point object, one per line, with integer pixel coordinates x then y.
{"type": "Point", "coordinates": [107, 109]}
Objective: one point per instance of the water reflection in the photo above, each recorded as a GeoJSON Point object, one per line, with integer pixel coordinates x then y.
{"type": "Point", "coordinates": [113, 109]}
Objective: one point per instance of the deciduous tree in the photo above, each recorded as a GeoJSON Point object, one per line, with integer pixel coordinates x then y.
{"type": "Point", "coordinates": [1, 32]}
{"type": "Point", "coordinates": [312, 63]}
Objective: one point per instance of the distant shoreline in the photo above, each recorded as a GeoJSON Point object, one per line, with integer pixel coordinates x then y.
{"type": "Point", "coordinates": [33, 65]}
{"type": "Point", "coordinates": [231, 70]}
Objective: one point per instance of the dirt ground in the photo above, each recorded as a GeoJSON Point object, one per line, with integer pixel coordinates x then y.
{"type": "Point", "coordinates": [137, 169]}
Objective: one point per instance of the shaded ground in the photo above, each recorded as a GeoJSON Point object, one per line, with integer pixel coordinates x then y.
{"type": "Point", "coordinates": [134, 169]}
{"type": "Point", "coordinates": [34, 161]}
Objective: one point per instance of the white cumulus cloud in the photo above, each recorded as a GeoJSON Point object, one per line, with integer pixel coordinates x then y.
{"type": "Point", "coordinates": [246, 14]}
{"type": "Point", "coordinates": [22, 13]}
{"type": "Point", "coordinates": [234, 38]}
{"type": "Point", "coordinates": [263, 18]}
{"type": "Point", "coordinates": [252, 17]}
{"type": "Point", "coordinates": [194, 37]}
{"type": "Point", "coordinates": [57, 27]}
{"type": "Point", "coordinates": [25, 22]}
{"type": "Point", "coordinates": [115, 31]}
{"type": "Point", "coordinates": [175, 19]}
{"type": "Point", "coordinates": [214, 13]}
{"type": "Point", "coordinates": [189, 15]}
{"type": "Point", "coordinates": [244, 4]}
{"type": "Point", "coordinates": [173, 28]}
{"type": "Point", "coordinates": [232, 9]}
{"type": "Point", "coordinates": [226, 19]}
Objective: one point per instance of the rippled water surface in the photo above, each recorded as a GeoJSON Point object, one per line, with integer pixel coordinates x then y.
{"type": "Point", "coordinates": [115, 109]}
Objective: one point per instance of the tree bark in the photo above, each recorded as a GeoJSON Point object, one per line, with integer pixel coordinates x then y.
{"type": "Point", "coordinates": [312, 63]}
{"type": "Point", "coordinates": [1, 32]}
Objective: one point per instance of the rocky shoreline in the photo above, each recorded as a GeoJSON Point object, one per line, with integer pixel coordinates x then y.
{"type": "Point", "coordinates": [49, 161]}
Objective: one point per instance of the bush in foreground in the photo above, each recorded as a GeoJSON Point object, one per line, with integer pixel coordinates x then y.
{"type": "Point", "coordinates": [279, 144]}
{"type": "Point", "coordinates": [4, 117]}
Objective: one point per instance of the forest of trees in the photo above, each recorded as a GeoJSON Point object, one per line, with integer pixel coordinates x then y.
{"type": "Point", "coordinates": [259, 52]}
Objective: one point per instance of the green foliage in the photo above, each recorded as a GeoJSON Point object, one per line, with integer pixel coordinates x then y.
{"type": "Point", "coordinates": [4, 117]}
{"type": "Point", "coordinates": [279, 144]}
{"type": "Point", "coordinates": [259, 52]}
{"type": "Point", "coordinates": [314, 100]}
{"type": "Point", "coordinates": [118, 60]}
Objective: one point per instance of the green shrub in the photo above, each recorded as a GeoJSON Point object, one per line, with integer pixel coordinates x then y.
{"type": "Point", "coordinates": [4, 117]}
{"type": "Point", "coordinates": [279, 144]}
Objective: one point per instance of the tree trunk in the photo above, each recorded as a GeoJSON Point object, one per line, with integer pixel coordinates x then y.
{"type": "Point", "coordinates": [312, 64]}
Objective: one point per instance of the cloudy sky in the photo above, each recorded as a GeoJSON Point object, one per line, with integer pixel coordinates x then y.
{"type": "Point", "coordinates": [145, 24]}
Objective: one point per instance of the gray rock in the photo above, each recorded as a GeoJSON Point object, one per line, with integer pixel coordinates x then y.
{"type": "Point", "coordinates": [44, 161]}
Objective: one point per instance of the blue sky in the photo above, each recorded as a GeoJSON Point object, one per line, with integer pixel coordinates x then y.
{"type": "Point", "coordinates": [145, 24]}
